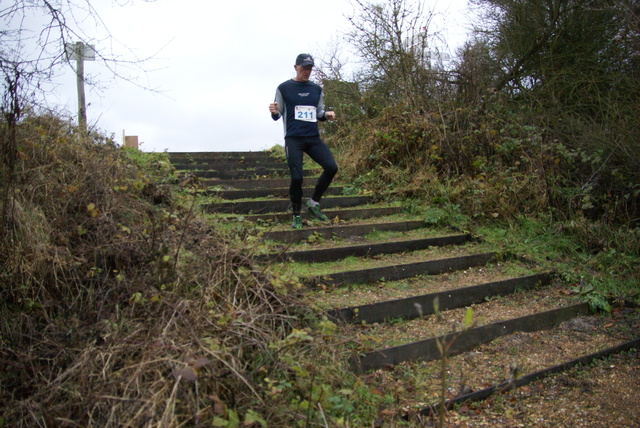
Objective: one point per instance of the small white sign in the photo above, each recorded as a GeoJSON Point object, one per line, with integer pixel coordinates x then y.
{"type": "Point", "coordinates": [83, 51]}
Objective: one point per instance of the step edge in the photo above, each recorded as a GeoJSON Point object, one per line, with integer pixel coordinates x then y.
{"type": "Point", "coordinates": [531, 377]}
{"type": "Point", "coordinates": [529, 281]}
{"type": "Point", "coordinates": [556, 316]}
{"type": "Point", "coordinates": [332, 279]}
{"type": "Point", "coordinates": [372, 249]}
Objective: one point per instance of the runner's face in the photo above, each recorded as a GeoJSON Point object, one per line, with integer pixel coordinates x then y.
{"type": "Point", "coordinates": [303, 73]}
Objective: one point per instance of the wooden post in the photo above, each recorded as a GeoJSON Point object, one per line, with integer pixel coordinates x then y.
{"type": "Point", "coordinates": [82, 109]}
{"type": "Point", "coordinates": [81, 52]}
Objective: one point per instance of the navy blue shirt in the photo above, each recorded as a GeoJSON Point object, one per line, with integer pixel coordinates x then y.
{"type": "Point", "coordinates": [309, 99]}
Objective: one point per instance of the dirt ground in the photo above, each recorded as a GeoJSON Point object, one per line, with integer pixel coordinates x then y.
{"type": "Point", "coordinates": [603, 394]}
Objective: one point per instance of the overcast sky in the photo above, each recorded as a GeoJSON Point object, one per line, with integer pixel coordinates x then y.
{"type": "Point", "coordinates": [216, 64]}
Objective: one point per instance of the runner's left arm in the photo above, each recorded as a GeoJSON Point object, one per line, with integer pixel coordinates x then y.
{"type": "Point", "coordinates": [320, 113]}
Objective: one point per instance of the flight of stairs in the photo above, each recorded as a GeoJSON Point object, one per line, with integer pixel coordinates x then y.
{"type": "Point", "coordinates": [403, 290]}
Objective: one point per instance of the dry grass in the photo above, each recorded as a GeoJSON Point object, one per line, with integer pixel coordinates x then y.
{"type": "Point", "coordinates": [120, 306]}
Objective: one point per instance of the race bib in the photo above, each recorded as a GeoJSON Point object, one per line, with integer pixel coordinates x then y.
{"type": "Point", "coordinates": [306, 113]}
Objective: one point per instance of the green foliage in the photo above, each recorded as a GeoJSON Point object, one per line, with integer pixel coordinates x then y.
{"type": "Point", "coordinates": [447, 215]}
{"type": "Point", "coordinates": [277, 152]}
{"type": "Point", "coordinates": [345, 98]}
{"type": "Point", "coordinates": [313, 387]}
{"type": "Point", "coordinates": [598, 261]}
{"type": "Point", "coordinates": [574, 65]}
{"type": "Point", "coordinates": [597, 301]}
{"type": "Point", "coordinates": [530, 125]}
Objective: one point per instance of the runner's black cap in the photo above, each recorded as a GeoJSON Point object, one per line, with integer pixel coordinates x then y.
{"type": "Point", "coordinates": [304, 60]}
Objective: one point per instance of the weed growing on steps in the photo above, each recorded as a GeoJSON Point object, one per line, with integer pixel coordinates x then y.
{"type": "Point", "coordinates": [444, 345]}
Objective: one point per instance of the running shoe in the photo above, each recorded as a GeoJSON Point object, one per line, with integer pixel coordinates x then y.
{"type": "Point", "coordinates": [297, 222]}
{"type": "Point", "coordinates": [314, 210]}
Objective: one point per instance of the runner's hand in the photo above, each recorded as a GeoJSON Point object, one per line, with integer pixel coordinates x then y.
{"type": "Point", "coordinates": [273, 108]}
{"type": "Point", "coordinates": [330, 115]}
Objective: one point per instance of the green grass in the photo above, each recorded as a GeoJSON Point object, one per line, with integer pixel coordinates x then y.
{"type": "Point", "coordinates": [611, 270]}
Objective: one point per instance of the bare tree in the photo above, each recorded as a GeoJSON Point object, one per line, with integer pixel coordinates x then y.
{"type": "Point", "coordinates": [331, 61]}
{"type": "Point", "coordinates": [392, 39]}
{"type": "Point", "coordinates": [32, 39]}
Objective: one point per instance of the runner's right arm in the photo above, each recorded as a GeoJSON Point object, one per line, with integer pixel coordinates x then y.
{"type": "Point", "coordinates": [277, 107]}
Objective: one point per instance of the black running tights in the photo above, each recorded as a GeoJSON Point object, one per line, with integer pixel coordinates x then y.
{"type": "Point", "coordinates": [321, 154]}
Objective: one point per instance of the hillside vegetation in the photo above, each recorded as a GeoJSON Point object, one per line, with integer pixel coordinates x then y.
{"type": "Point", "coordinates": [543, 102]}
{"type": "Point", "coordinates": [123, 305]}
{"type": "Point", "coordinates": [537, 117]}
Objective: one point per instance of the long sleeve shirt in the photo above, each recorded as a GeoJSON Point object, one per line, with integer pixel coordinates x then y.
{"type": "Point", "coordinates": [301, 106]}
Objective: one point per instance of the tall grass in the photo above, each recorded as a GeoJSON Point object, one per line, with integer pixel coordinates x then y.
{"type": "Point", "coordinates": [121, 306]}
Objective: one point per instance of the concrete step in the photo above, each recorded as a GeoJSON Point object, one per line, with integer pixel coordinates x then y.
{"type": "Point", "coordinates": [229, 166]}
{"type": "Point", "coordinates": [255, 174]}
{"type": "Point", "coordinates": [525, 379]}
{"type": "Point", "coordinates": [427, 350]}
{"type": "Point", "coordinates": [449, 299]}
{"type": "Point", "coordinates": [249, 184]}
{"type": "Point", "coordinates": [206, 156]}
{"type": "Point", "coordinates": [230, 161]}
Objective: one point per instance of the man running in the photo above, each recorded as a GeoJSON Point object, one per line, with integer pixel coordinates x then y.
{"type": "Point", "coordinates": [300, 103]}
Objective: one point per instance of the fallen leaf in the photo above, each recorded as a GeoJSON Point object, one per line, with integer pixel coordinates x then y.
{"type": "Point", "coordinates": [186, 373]}
{"type": "Point", "coordinates": [218, 405]}
{"type": "Point", "coordinates": [200, 363]}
